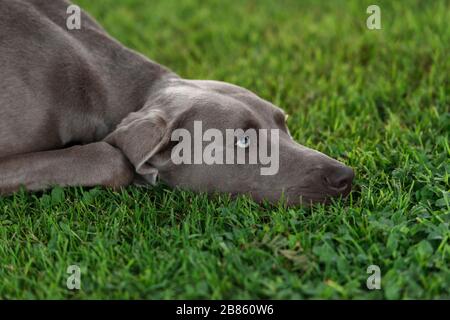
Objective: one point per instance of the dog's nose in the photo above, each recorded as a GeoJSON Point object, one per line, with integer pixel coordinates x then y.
{"type": "Point", "coordinates": [338, 178]}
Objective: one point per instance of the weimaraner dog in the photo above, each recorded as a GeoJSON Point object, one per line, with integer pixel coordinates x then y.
{"type": "Point", "coordinates": [77, 108]}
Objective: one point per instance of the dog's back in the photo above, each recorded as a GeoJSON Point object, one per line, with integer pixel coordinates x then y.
{"type": "Point", "coordinates": [60, 86]}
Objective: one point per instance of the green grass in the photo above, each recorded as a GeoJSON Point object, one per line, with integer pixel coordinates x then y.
{"type": "Point", "coordinates": [376, 100]}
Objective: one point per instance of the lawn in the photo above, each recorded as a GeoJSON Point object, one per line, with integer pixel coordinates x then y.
{"type": "Point", "coordinates": [378, 100]}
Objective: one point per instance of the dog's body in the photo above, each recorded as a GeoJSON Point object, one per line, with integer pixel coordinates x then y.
{"type": "Point", "coordinates": [79, 109]}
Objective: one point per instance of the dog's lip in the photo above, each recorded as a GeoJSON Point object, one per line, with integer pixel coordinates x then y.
{"type": "Point", "coordinates": [295, 194]}
{"type": "Point", "coordinates": [321, 195]}
{"type": "Point", "coordinates": [339, 190]}
{"type": "Point", "coordinates": [342, 193]}
{"type": "Point", "coordinates": [305, 199]}
{"type": "Point", "coordinates": [325, 199]}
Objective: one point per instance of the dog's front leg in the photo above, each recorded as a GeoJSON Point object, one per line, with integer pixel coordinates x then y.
{"type": "Point", "coordinates": [88, 165]}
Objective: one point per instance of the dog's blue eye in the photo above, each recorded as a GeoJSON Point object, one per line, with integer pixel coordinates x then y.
{"type": "Point", "coordinates": [243, 142]}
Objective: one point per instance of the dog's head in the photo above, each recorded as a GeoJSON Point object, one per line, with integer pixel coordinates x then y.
{"type": "Point", "coordinates": [212, 136]}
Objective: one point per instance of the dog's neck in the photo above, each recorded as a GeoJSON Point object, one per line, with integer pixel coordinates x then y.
{"type": "Point", "coordinates": [119, 81]}
{"type": "Point", "coordinates": [129, 79]}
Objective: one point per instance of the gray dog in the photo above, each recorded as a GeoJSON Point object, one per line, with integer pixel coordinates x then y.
{"type": "Point", "coordinates": [77, 108]}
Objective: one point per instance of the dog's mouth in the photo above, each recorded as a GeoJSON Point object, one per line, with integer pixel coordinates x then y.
{"type": "Point", "coordinates": [317, 194]}
{"type": "Point", "coordinates": [297, 195]}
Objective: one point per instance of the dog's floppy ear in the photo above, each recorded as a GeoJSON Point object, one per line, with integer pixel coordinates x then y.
{"type": "Point", "coordinates": [140, 136]}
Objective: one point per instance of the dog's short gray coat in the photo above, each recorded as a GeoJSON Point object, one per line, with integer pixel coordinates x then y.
{"type": "Point", "coordinates": [77, 108]}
